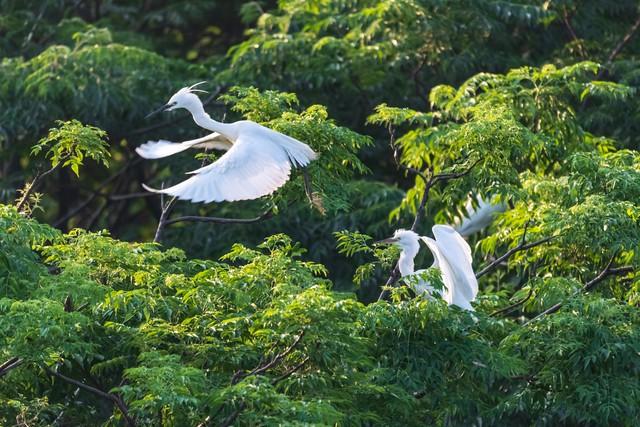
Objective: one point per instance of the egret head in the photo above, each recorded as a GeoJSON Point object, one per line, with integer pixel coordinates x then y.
{"type": "Point", "coordinates": [184, 98]}
{"type": "Point", "coordinates": [405, 239]}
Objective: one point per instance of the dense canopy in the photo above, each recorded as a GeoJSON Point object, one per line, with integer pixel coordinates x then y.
{"type": "Point", "coordinates": [119, 307]}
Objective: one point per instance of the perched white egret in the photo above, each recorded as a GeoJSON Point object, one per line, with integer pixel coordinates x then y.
{"type": "Point", "coordinates": [480, 218]}
{"type": "Point", "coordinates": [257, 163]}
{"type": "Point", "coordinates": [451, 254]}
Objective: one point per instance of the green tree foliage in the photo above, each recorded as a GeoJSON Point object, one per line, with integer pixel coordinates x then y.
{"type": "Point", "coordinates": [416, 108]}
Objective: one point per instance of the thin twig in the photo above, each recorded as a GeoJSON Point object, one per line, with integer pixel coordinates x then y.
{"type": "Point", "coordinates": [96, 193]}
{"type": "Point", "coordinates": [260, 369]}
{"type": "Point", "coordinates": [36, 181]}
{"type": "Point", "coordinates": [162, 222]}
{"type": "Point", "coordinates": [109, 396]}
{"type": "Point", "coordinates": [514, 305]}
{"type": "Point", "coordinates": [290, 371]}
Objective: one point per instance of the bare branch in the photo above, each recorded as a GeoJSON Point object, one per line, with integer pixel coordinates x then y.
{"type": "Point", "coordinates": [166, 211]}
{"type": "Point", "coordinates": [117, 400]}
{"type": "Point", "coordinates": [265, 215]}
{"type": "Point", "coordinates": [521, 247]}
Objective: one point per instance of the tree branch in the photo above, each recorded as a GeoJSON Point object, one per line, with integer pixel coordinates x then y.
{"type": "Point", "coordinates": [162, 222]}
{"type": "Point", "coordinates": [260, 369]}
{"type": "Point", "coordinates": [514, 305]}
{"type": "Point", "coordinates": [10, 364]}
{"type": "Point", "coordinates": [31, 187]}
{"type": "Point", "coordinates": [265, 215]}
{"type": "Point", "coordinates": [117, 400]}
{"type": "Point", "coordinates": [606, 272]}
{"type": "Point", "coordinates": [96, 193]}
{"type": "Point", "coordinates": [521, 247]}
{"type": "Point", "coordinates": [616, 50]}
{"type": "Point", "coordinates": [567, 23]}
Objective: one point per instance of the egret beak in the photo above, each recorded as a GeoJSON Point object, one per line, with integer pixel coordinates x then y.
{"type": "Point", "coordinates": [160, 110]}
{"type": "Point", "coordinates": [388, 241]}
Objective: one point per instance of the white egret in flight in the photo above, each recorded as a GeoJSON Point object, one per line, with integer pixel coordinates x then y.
{"type": "Point", "coordinates": [480, 218]}
{"type": "Point", "coordinates": [257, 163]}
{"type": "Point", "coordinates": [451, 254]}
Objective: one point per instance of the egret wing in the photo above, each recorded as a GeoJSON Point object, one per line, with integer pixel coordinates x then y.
{"type": "Point", "coordinates": [440, 262]}
{"type": "Point", "coordinates": [299, 153]}
{"type": "Point", "coordinates": [457, 255]}
{"type": "Point", "coordinates": [164, 148]}
{"type": "Point", "coordinates": [252, 168]}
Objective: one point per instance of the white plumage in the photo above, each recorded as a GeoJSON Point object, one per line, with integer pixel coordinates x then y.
{"type": "Point", "coordinates": [257, 163]}
{"type": "Point", "coordinates": [480, 218]}
{"type": "Point", "coordinates": [164, 148]}
{"type": "Point", "coordinates": [451, 254]}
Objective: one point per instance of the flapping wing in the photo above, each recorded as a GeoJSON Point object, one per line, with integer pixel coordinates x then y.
{"type": "Point", "coordinates": [457, 254]}
{"type": "Point", "coordinates": [252, 168]}
{"type": "Point", "coordinates": [164, 148]}
{"type": "Point", "coordinates": [440, 262]}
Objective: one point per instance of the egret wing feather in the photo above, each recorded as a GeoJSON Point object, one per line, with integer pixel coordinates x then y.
{"type": "Point", "coordinates": [164, 148]}
{"type": "Point", "coordinates": [457, 255]}
{"type": "Point", "coordinates": [252, 168]}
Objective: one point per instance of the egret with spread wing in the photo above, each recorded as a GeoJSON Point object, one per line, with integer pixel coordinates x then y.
{"type": "Point", "coordinates": [451, 254]}
{"type": "Point", "coordinates": [257, 164]}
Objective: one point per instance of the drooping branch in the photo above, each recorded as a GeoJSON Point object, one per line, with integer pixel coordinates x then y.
{"type": "Point", "coordinates": [605, 273]}
{"type": "Point", "coordinates": [117, 400]}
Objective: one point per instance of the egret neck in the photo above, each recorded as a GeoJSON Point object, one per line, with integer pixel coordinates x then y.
{"type": "Point", "coordinates": [202, 119]}
{"type": "Point", "coordinates": [409, 251]}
